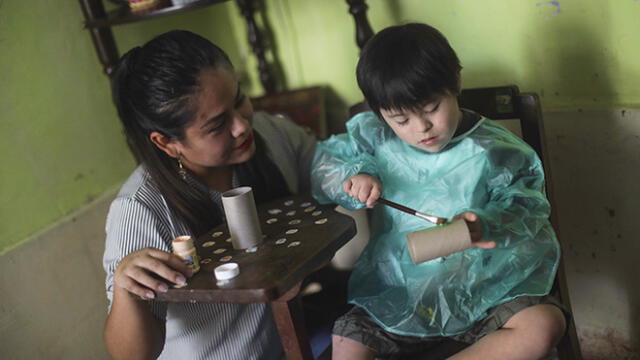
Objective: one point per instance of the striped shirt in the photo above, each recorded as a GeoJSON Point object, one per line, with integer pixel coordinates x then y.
{"type": "Point", "coordinates": [139, 217]}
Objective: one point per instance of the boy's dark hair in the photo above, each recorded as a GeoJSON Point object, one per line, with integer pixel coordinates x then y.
{"type": "Point", "coordinates": [406, 66]}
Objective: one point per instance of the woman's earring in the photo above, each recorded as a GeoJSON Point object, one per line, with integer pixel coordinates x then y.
{"type": "Point", "coordinates": [181, 170]}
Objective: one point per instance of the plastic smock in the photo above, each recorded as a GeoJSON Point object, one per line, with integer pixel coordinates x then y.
{"type": "Point", "coordinates": [487, 170]}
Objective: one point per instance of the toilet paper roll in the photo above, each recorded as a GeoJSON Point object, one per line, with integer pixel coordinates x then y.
{"type": "Point", "coordinates": [438, 241]}
{"type": "Point", "coordinates": [242, 217]}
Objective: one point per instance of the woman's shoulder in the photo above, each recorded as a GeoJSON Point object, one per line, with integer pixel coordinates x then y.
{"type": "Point", "coordinates": [139, 188]}
{"type": "Point", "coordinates": [274, 125]}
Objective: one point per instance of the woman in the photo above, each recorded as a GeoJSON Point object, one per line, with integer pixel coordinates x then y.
{"type": "Point", "coordinates": [195, 135]}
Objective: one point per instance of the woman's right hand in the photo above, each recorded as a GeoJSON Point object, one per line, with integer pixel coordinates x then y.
{"type": "Point", "coordinates": [141, 272]}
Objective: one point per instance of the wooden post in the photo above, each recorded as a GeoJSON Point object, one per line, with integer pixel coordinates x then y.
{"type": "Point", "coordinates": [358, 8]}
{"type": "Point", "coordinates": [289, 317]}
{"type": "Point", "coordinates": [102, 36]}
{"type": "Point", "coordinates": [255, 39]}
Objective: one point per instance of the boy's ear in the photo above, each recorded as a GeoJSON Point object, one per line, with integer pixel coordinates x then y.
{"type": "Point", "coordinates": [165, 144]}
{"type": "Point", "coordinates": [459, 81]}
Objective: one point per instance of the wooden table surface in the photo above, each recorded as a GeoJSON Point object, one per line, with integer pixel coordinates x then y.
{"type": "Point", "coordinates": [276, 265]}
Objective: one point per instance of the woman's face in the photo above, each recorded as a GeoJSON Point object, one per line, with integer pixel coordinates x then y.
{"type": "Point", "coordinates": [221, 133]}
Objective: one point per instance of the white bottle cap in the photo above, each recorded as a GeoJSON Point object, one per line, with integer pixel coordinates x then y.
{"type": "Point", "coordinates": [227, 271]}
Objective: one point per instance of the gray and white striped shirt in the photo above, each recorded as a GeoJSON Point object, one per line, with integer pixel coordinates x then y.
{"type": "Point", "coordinates": [139, 218]}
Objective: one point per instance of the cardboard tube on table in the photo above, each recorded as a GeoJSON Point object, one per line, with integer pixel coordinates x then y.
{"type": "Point", "coordinates": [242, 217]}
{"type": "Point", "coordinates": [438, 241]}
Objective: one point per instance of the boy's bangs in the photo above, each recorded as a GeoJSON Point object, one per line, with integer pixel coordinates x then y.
{"type": "Point", "coordinates": [406, 92]}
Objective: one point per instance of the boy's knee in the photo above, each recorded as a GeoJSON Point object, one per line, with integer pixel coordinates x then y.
{"type": "Point", "coordinates": [554, 325]}
{"type": "Point", "coordinates": [544, 325]}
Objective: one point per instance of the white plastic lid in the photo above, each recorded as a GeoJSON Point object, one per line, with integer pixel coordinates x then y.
{"type": "Point", "coordinates": [226, 271]}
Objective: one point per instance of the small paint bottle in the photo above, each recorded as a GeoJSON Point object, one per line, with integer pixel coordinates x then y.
{"type": "Point", "coordinates": [184, 248]}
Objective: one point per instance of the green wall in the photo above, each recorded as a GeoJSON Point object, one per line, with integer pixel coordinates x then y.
{"type": "Point", "coordinates": [62, 145]}
{"type": "Point", "coordinates": [579, 54]}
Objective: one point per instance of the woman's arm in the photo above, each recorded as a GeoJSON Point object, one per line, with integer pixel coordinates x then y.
{"type": "Point", "coordinates": [131, 330]}
{"type": "Point", "coordinates": [137, 269]}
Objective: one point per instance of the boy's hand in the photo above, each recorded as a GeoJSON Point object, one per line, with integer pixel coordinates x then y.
{"type": "Point", "coordinates": [475, 229]}
{"type": "Point", "coordinates": [364, 188]}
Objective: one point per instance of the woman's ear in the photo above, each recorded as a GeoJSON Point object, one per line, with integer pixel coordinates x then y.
{"type": "Point", "coordinates": [164, 143]}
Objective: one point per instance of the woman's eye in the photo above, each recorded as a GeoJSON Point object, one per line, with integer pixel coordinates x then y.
{"type": "Point", "coordinates": [218, 127]}
{"type": "Point", "coordinates": [240, 100]}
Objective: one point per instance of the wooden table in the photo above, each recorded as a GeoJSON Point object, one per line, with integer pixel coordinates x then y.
{"type": "Point", "coordinates": [273, 271]}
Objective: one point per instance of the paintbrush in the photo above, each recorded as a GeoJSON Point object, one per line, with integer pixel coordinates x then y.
{"type": "Point", "coordinates": [430, 218]}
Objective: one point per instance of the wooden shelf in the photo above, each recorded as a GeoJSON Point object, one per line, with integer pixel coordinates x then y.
{"type": "Point", "coordinates": [124, 15]}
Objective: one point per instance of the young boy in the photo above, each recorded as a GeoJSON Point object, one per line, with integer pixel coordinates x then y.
{"type": "Point", "coordinates": [419, 149]}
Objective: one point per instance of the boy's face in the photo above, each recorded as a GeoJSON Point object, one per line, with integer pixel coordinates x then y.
{"type": "Point", "coordinates": [431, 127]}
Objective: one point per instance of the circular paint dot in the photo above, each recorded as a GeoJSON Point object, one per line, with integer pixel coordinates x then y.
{"type": "Point", "coordinates": [295, 222]}
{"type": "Point", "coordinates": [205, 261]}
{"type": "Point", "coordinates": [291, 231]}
{"type": "Point", "coordinates": [281, 241]}
{"type": "Point", "coordinates": [309, 209]}
{"type": "Point", "coordinates": [228, 240]}
{"type": "Point", "coordinates": [251, 249]}
{"type": "Point", "coordinates": [291, 213]}
{"type": "Point", "coordinates": [272, 220]}
{"type": "Point", "coordinates": [288, 202]}
{"type": "Point", "coordinates": [316, 213]}
{"type": "Point", "coordinates": [305, 204]}
{"type": "Point", "coordinates": [295, 243]}
{"type": "Point", "coordinates": [274, 211]}
{"type": "Point", "coordinates": [209, 243]}
{"type": "Point", "coordinates": [321, 221]}
{"type": "Point", "coordinates": [226, 258]}
{"type": "Point", "coordinates": [217, 233]}
{"type": "Point", "coordinates": [219, 251]}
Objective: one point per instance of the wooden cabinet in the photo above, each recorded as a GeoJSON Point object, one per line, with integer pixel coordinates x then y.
{"type": "Point", "coordinates": [99, 23]}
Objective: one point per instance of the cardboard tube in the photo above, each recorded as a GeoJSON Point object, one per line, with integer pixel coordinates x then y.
{"type": "Point", "coordinates": [438, 241]}
{"type": "Point", "coordinates": [242, 217]}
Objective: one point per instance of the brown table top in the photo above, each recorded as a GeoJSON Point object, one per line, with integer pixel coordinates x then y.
{"type": "Point", "coordinates": [276, 265]}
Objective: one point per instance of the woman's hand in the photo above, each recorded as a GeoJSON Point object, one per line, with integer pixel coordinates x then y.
{"type": "Point", "coordinates": [475, 229]}
{"type": "Point", "coordinates": [140, 272]}
{"type": "Point", "coordinates": [364, 188]}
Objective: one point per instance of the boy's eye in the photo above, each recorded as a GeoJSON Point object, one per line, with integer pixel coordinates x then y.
{"type": "Point", "coordinates": [403, 122]}
{"type": "Point", "coordinates": [433, 109]}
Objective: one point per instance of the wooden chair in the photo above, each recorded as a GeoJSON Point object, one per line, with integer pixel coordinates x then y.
{"type": "Point", "coordinates": [507, 105]}
{"type": "Point", "coordinates": [306, 107]}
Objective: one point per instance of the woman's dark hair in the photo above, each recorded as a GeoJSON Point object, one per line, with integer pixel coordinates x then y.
{"type": "Point", "coordinates": [406, 66]}
{"type": "Point", "coordinates": [153, 90]}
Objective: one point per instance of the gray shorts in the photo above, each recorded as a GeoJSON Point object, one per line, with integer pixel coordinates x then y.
{"type": "Point", "coordinates": [358, 326]}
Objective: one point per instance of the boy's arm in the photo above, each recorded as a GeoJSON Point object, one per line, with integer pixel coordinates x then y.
{"type": "Point", "coordinates": [343, 156]}
{"type": "Point", "coordinates": [517, 208]}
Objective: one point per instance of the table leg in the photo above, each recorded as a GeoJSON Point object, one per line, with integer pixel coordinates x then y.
{"type": "Point", "coordinates": [289, 317]}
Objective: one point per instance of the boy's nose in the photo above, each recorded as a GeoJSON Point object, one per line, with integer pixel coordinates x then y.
{"type": "Point", "coordinates": [424, 124]}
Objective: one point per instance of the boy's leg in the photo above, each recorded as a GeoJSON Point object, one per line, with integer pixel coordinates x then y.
{"type": "Point", "coordinates": [357, 336]}
{"type": "Point", "coordinates": [530, 333]}
{"type": "Point", "coordinates": [345, 348]}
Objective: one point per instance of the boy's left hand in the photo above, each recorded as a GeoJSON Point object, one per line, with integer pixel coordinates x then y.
{"type": "Point", "coordinates": [475, 229]}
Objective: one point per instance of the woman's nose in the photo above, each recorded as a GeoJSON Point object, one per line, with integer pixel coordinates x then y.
{"type": "Point", "coordinates": [239, 124]}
